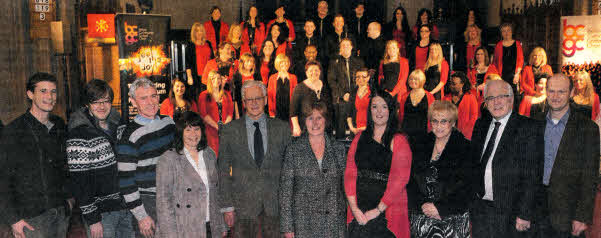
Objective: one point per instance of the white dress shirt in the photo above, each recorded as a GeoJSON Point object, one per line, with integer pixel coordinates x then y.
{"type": "Point", "coordinates": [201, 169]}
{"type": "Point", "coordinates": [488, 179]}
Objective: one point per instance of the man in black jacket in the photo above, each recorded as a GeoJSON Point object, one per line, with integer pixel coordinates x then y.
{"type": "Point", "coordinates": [342, 81]}
{"type": "Point", "coordinates": [94, 131]}
{"type": "Point", "coordinates": [372, 49]}
{"type": "Point", "coordinates": [32, 157]}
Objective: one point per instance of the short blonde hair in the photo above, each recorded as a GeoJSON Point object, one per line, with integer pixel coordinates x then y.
{"type": "Point", "coordinates": [419, 75]}
{"type": "Point", "coordinates": [534, 52]}
{"type": "Point", "coordinates": [196, 27]}
{"type": "Point", "coordinates": [278, 60]}
{"type": "Point", "coordinates": [444, 107]}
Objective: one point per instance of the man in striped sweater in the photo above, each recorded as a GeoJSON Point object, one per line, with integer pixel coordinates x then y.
{"type": "Point", "coordinates": [144, 140]}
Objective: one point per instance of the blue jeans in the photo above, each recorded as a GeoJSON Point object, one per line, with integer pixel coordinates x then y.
{"type": "Point", "coordinates": [52, 223]}
{"type": "Point", "coordinates": [115, 224]}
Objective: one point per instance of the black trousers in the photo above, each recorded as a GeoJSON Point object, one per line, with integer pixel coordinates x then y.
{"type": "Point", "coordinates": [542, 226]}
{"type": "Point", "coordinates": [341, 112]}
{"type": "Point", "coordinates": [489, 222]}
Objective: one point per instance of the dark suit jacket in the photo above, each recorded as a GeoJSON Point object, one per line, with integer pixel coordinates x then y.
{"type": "Point", "coordinates": [572, 186]}
{"type": "Point", "coordinates": [337, 76]}
{"type": "Point", "coordinates": [249, 188]}
{"type": "Point", "coordinates": [516, 167]}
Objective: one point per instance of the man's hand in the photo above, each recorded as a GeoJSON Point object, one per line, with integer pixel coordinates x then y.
{"type": "Point", "coordinates": [147, 227]}
{"type": "Point", "coordinates": [96, 230]}
{"type": "Point", "coordinates": [521, 225]}
{"type": "Point", "coordinates": [431, 211]}
{"type": "Point", "coordinates": [578, 227]}
{"type": "Point", "coordinates": [18, 231]}
{"type": "Point", "coordinates": [229, 219]}
{"type": "Point", "coordinates": [346, 97]}
{"type": "Point", "coordinates": [289, 235]}
{"type": "Point", "coordinates": [372, 214]}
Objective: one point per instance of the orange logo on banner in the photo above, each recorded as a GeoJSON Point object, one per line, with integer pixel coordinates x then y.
{"type": "Point", "coordinates": [101, 26]}
{"type": "Point", "coordinates": [131, 33]}
{"type": "Point", "coordinates": [573, 38]}
{"type": "Point", "coordinates": [147, 61]}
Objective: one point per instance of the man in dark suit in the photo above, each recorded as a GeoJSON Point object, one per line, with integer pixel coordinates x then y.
{"type": "Point", "coordinates": [508, 149]}
{"type": "Point", "coordinates": [570, 165]}
{"type": "Point", "coordinates": [342, 82]}
{"type": "Point", "coordinates": [251, 152]}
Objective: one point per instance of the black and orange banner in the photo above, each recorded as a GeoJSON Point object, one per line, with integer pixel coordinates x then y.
{"type": "Point", "coordinates": [143, 52]}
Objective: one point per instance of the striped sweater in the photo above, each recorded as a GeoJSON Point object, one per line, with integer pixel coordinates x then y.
{"type": "Point", "coordinates": [138, 151]}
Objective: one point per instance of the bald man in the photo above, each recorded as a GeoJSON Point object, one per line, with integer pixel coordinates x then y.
{"type": "Point", "coordinates": [372, 49]}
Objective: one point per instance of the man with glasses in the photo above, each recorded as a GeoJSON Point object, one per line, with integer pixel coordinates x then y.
{"type": "Point", "coordinates": [251, 152]}
{"type": "Point", "coordinates": [508, 149]}
{"type": "Point", "coordinates": [94, 130]}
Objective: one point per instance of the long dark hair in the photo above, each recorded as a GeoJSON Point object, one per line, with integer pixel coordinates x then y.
{"type": "Point", "coordinates": [419, 36]}
{"type": "Point", "coordinates": [187, 119]}
{"type": "Point", "coordinates": [259, 60]}
{"type": "Point", "coordinates": [247, 18]}
{"type": "Point", "coordinates": [281, 38]}
{"type": "Point", "coordinates": [404, 22]}
{"type": "Point", "coordinates": [186, 96]}
{"type": "Point", "coordinates": [392, 123]}
{"type": "Point", "coordinates": [419, 15]}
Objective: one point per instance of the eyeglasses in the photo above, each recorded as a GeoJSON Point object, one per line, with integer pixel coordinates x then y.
{"type": "Point", "coordinates": [442, 122]}
{"type": "Point", "coordinates": [493, 98]}
{"type": "Point", "coordinates": [100, 103]}
{"type": "Point", "coordinates": [254, 100]}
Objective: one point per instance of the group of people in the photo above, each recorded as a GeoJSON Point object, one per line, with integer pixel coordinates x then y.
{"type": "Point", "coordinates": [249, 142]}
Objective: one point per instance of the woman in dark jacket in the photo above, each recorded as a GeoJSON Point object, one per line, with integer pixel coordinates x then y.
{"type": "Point", "coordinates": [441, 177]}
{"type": "Point", "coordinates": [198, 52]}
{"type": "Point", "coordinates": [311, 196]}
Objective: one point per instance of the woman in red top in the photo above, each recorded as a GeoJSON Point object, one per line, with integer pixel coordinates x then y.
{"type": "Point", "coordinates": [359, 102]}
{"type": "Point", "coordinates": [286, 26]}
{"type": "Point", "coordinates": [198, 52]}
{"type": "Point", "coordinates": [424, 17]}
{"type": "Point", "coordinates": [265, 60]}
{"type": "Point", "coordinates": [537, 64]}
{"type": "Point", "coordinates": [584, 94]}
{"type": "Point", "coordinates": [217, 30]}
{"type": "Point", "coordinates": [245, 72]}
{"type": "Point", "coordinates": [473, 41]}
{"type": "Point", "coordinates": [224, 64]}
{"type": "Point", "coordinates": [393, 70]}
{"type": "Point", "coordinates": [215, 107]}
{"type": "Point", "coordinates": [536, 106]}
{"type": "Point", "coordinates": [253, 31]}
{"type": "Point", "coordinates": [437, 71]}
{"type": "Point", "coordinates": [419, 53]}
{"type": "Point", "coordinates": [279, 40]}
{"type": "Point", "coordinates": [398, 30]}
{"type": "Point", "coordinates": [181, 105]}
{"type": "Point", "coordinates": [377, 170]}
{"type": "Point", "coordinates": [467, 105]}
{"type": "Point", "coordinates": [479, 69]}
{"type": "Point", "coordinates": [509, 57]}
{"type": "Point", "coordinates": [235, 39]}
{"type": "Point", "coordinates": [280, 88]}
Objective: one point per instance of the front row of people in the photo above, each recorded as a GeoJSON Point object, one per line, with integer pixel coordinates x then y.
{"type": "Point", "coordinates": [517, 175]}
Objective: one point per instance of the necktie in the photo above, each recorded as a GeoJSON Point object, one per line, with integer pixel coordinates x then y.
{"type": "Point", "coordinates": [258, 145]}
{"type": "Point", "coordinates": [491, 143]}
{"type": "Point", "coordinates": [348, 74]}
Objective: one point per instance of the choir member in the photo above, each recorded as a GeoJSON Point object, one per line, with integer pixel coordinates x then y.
{"type": "Point", "coordinates": [372, 49]}
{"type": "Point", "coordinates": [177, 103]}
{"type": "Point", "coordinates": [419, 53]}
{"type": "Point", "coordinates": [253, 30]}
{"type": "Point", "coordinates": [358, 22]}
{"type": "Point", "coordinates": [265, 60]}
{"type": "Point", "coordinates": [467, 105]}
{"type": "Point", "coordinates": [217, 30]}
{"type": "Point", "coordinates": [359, 102]}
{"type": "Point", "coordinates": [509, 57]}
{"type": "Point", "coordinates": [280, 88]}
{"type": "Point", "coordinates": [536, 106]}
{"type": "Point", "coordinates": [246, 71]}
{"type": "Point", "coordinates": [398, 29]}
{"type": "Point", "coordinates": [393, 70]}
{"type": "Point", "coordinates": [537, 64]}
{"type": "Point", "coordinates": [413, 107]}
{"type": "Point", "coordinates": [286, 26]}
{"type": "Point", "coordinates": [437, 71]}
{"type": "Point", "coordinates": [424, 17]}
{"type": "Point", "coordinates": [198, 52]}
{"type": "Point", "coordinates": [223, 63]}
{"type": "Point", "coordinates": [310, 91]}
{"type": "Point", "coordinates": [216, 108]}
{"type": "Point", "coordinates": [235, 39]}
{"type": "Point", "coordinates": [584, 94]}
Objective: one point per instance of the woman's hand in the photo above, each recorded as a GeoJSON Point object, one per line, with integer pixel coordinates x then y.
{"type": "Point", "coordinates": [359, 216]}
{"type": "Point", "coordinates": [516, 78]}
{"type": "Point", "coordinates": [296, 131]}
{"type": "Point", "coordinates": [430, 210]}
{"type": "Point", "coordinates": [371, 214]}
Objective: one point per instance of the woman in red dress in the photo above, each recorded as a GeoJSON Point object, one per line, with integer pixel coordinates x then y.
{"type": "Point", "coordinates": [177, 103]}
{"type": "Point", "coordinates": [215, 107]}
{"type": "Point", "coordinates": [424, 17]}
{"type": "Point", "coordinates": [265, 60]}
{"type": "Point", "coordinates": [217, 30]}
{"type": "Point", "coordinates": [253, 31]}
{"type": "Point", "coordinates": [377, 170]}
{"type": "Point", "coordinates": [198, 52]}
{"type": "Point", "coordinates": [357, 120]}
{"type": "Point", "coordinates": [467, 105]}
{"type": "Point", "coordinates": [246, 71]}
{"type": "Point", "coordinates": [280, 88]}
{"type": "Point", "coordinates": [537, 64]}
{"type": "Point", "coordinates": [398, 30]}
{"type": "Point", "coordinates": [419, 53]}
{"type": "Point", "coordinates": [394, 70]}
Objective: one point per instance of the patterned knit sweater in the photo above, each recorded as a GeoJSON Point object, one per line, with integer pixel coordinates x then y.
{"type": "Point", "coordinates": [138, 152]}
{"type": "Point", "coordinates": [92, 164]}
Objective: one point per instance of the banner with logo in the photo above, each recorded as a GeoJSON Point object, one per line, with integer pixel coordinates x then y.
{"type": "Point", "coordinates": [581, 46]}
{"type": "Point", "coordinates": [143, 52]}
{"type": "Point", "coordinates": [101, 28]}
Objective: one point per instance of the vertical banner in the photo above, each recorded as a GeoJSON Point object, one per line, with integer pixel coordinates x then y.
{"type": "Point", "coordinates": [143, 52]}
{"type": "Point", "coordinates": [580, 46]}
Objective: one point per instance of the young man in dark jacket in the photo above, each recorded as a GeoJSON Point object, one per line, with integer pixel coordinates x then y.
{"type": "Point", "coordinates": [33, 198]}
{"type": "Point", "coordinates": [94, 131]}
